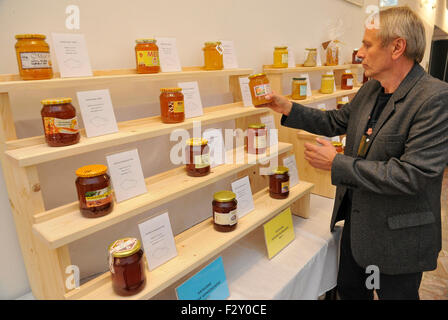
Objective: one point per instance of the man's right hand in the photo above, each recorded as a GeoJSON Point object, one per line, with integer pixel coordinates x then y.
{"type": "Point", "coordinates": [278, 104]}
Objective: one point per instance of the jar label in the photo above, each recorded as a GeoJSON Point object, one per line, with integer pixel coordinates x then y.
{"type": "Point", "coordinates": [57, 125]}
{"type": "Point", "coordinates": [148, 58]}
{"type": "Point", "coordinates": [201, 161]}
{"type": "Point", "coordinates": [176, 106]}
{"type": "Point", "coordinates": [350, 82]}
{"type": "Point", "coordinates": [120, 245]}
{"type": "Point", "coordinates": [35, 60]}
{"type": "Point", "coordinates": [285, 186]}
{"type": "Point", "coordinates": [98, 197]}
{"type": "Point", "coordinates": [260, 142]}
{"type": "Point", "coordinates": [285, 58]}
{"type": "Point", "coordinates": [226, 219]}
{"type": "Point", "coordinates": [303, 90]}
{"type": "Point", "coordinates": [262, 90]}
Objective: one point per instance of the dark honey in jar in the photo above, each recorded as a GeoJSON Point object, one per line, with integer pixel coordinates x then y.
{"type": "Point", "coordinates": [94, 191]}
{"type": "Point", "coordinates": [256, 138]}
{"type": "Point", "coordinates": [198, 157]}
{"type": "Point", "coordinates": [172, 105]}
{"type": "Point", "coordinates": [225, 216]}
{"type": "Point", "coordinates": [279, 183]}
{"type": "Point", "coordinates": [127, 266]}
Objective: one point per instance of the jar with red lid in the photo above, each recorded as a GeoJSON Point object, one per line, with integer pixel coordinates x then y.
{"type": "Point", "coordinates": [127, 266]}
{"type": "Point", "coordinates": [94, 191]}
{"type": "Point", "coordinates": [198, 157]}
{"type": "Point", "coordinates": [60, 122]}
{"type": "Point", "coordinates": [279, 183]}
{"type": "Point", "coordinates": [256, 138]}
{"type": "Point", "coordinates": [347, 80]}
{"type": "Point", "coordinates": [225, 216]}
{"type": "Point", "coordinates": [172, 105]}
{"type": "Point", "coordinates": [147, 56]}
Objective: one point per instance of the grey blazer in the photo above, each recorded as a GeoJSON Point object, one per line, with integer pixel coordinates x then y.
{"type": "Point", "coordinates": [395, 213]}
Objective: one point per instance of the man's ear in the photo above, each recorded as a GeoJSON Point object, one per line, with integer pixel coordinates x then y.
{"type": "Point", "coordinates": [398, 48]}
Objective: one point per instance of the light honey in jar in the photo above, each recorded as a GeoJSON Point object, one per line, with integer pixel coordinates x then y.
{"type": "Point", "coordinates": [33, 57]}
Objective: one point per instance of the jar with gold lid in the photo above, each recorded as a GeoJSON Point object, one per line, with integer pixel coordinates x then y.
{"type": "Point", "coordinates": [256, 138]}
{"type": "Point", "coordinates": [198, 157]}
{"type": "Point", "coordinates": [259, 87]}
{"type": "Point", "coordinates": [279, 183]}
{"type": "Point", "coordinates": [338, 146]}
{"type": "Point", "coordinates": [280, 57]}
{"type": "Point", "coordinates": [60, 122]}
{"type": "Point", "coordinates": [299, 88]}
{"type": "Point", "coordinates": [94, 191]}
{"type": "Point", "coordinates": [213, 55]}
{"type": "Point", "coordinates": [341, 103]}
{"type": "Point", "coordinates": [172, 105]}
{"type": "Point", "coordinates": [127, 266]}
{"type": "Point", "coordinates": [225, 216]}
{"type": "Point", "coordinates": [147, 56]}
{"type": "Point", "coordinates": [311, 57]}
{"type": "Point", "coordinates": [33, 57]}
{"type": "Point", "coordinates": [327, 84]}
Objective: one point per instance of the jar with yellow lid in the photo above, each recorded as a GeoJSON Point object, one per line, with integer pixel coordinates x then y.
{"type": "Point", "coordinates": [213, 55]}
{"type": "Point", "coordinates": [299, 88]}
{"type": "Point", "coordinates": [33, 57]}
{"type": "Point", "coordinates": [311, 57]}
{"type": "Point", "coordinates": [225, 216]}
{"type": "Point", "coordinates": [147, 56]}
{"type": "Point", "coordinates": [256, 138]}
{"type": "Point", "coordinates": [198, 157]}
{"type": "Point", "coordinates": [259, 87]}
{"type": "Point", "coordinates": [60, 122]}
{"type": "Point", "coordinates": [280, 57]}
{"type": "Point", "coordinates": [127, 266]}
{"type": "Point", "coordinates": [94, 191]}
{"type": "Point", "coordinates": [341, 103]}
{"type": "Point", "coordinates": [172, 105]}
{"type": "Point", "coordinates": [279, 183]}
{"type": "Point", "coordinates": [327, 84]}
{"type": "Point", "coordinates": [338, 146]}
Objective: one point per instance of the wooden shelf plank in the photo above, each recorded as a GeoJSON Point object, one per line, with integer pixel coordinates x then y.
{"type": "Point", "coordinates": [65, 224]}
{"type": "Point", "coordinates": [300, 68]}
{"type": "Point", "coordinates": [32, 151]}
{"type": "Point", "coordinates": [192, 252]}
{"type": "Point", "coordinates": [9, 82]}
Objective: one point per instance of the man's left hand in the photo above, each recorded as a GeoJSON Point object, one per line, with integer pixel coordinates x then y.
{"type": "Point", "coordinates": [320, 157]}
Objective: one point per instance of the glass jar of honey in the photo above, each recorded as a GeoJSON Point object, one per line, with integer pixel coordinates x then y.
{"type": "Point", "coordinates": [94, 191]}
{"type": "Point", "coordinates": [256, 138]}
{"type": "Point", "coordinates": [60, 122]}
{"type": "Point", "coordinates": [33, 57]}
{"type": "Point", "coordinates": [279, 183]}
{"type": "Point", "coordinates": [355, 58]}
{"type": "Point", "coordinates": [338, 146]}
{"type": "Point", "coordinates": [172, 105]}
{"type": "Point", "coordinates": [327, 84]}
{"type": "Point", "coordinates": [299, 88]}
{"type": "Point", "coordinates": [198, 157]}
{"type": "Point", "coordinates": [347, 80]}
{"type": "Point", "coordinates": [225, 216]}
{"type": "Point", "coordinates": [147, 56]}
{"type": "Point", "coordinates": [213, 55]}
{"type": "Point", "coordinates": [259, 88]}
{"type": "Point", "coordinates": [341, 103]}
{"type": "Point", "coordinates": [310, 57]}
{"type": "Point", "coordinates": [127, 266]}
{"type": "Point", "coordinates": [280, 57]}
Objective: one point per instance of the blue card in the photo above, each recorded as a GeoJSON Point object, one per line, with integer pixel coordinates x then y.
{"type": "Point", "coordinates": [208, 284]}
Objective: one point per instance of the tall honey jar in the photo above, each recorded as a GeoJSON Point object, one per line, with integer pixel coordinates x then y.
{"type": "Point", "coordinates": [225, 216]}
{"type": "Point", "coordinates": [172, 105]}
{"type": "Point", "coordinates": [33, 57]}
{"type": "Point", "coordinates": [213, 55]}
{"type": "Point", "coordinates": [147, 56]}
{"type": "Point", "coordinates": [347, 80]}
{"type": "Point", "coordinates": [299, 88]}
{"type": "Point", "coordinates": [259, 88]}
{"type": "Point", "coordinates": [256, 138]}
{"type": "Point", "coordinates": [198, 157]}
{"type": "Point", "coordinates": [280, 57]}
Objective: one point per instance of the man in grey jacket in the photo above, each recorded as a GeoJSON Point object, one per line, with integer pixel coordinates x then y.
{"type": "Point", "coordinates": [390, 175]}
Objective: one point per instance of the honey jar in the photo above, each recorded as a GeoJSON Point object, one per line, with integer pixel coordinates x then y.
{"type": "Point", "coordinates": [299, 88]}
{"type": "Point", "coordinates": [355, 58]}
{"type": "Point", "coordinates": [256, 138]}
{"type": "Point", "coordinates": [213, 55]}
{"type": "Point", "coordinates": [327, 84]}
{"type": "Point", "coordinates": [33, 57]}
{"type": "Point", "coordinates": [147, 56]}
{"type": "Point", "coordinates": [60, 122]}
{"type": "Point", "coordinates": [338, 146]}
{"type": "Point", "coordinates": [259, 88]}
{"type": "Point", "coordinates": [280, 57]}
{"type": "Point", "coordinates": [94, 191]}
{"type": "Point", "coordinates": [172, 105]}
{"type": "Point", "coordinates": [332, 55]}
{"type": "Point", "coordinates": [225, 216]}
{"type": "Point", "coordinates": [347, 80]}
{"type": "Point", "coordinates": [127, 266]}
{"type": "Point", "coordinates": [198, 157]}
{"type": "Point", "coordinates": [279, 183]}
{"type": "Point", "coordinates": [341, 103]}
{"type": "Point", "coordinates": [310, 57]}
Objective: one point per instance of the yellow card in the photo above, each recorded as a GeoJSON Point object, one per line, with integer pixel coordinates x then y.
{"type": "Point", "coordinates": [279, 232]}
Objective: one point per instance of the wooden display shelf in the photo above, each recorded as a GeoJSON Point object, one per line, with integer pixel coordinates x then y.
{"type": "Point", "coordinates": [317, 96]}
{"type": "Point", "coordinates": [300, 68]}
{"type": "Point", "coordinates": [34, 150]}
{"type": "Point", "coordinates": [10, 82]}
{"type": "Point", "coordinates": [191, 248]}
{"type": "Point", "coordinates": [65, 224]}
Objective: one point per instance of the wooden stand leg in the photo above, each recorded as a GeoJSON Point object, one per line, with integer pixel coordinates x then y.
{"type": "Point", "coordinates": [301, 207]}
